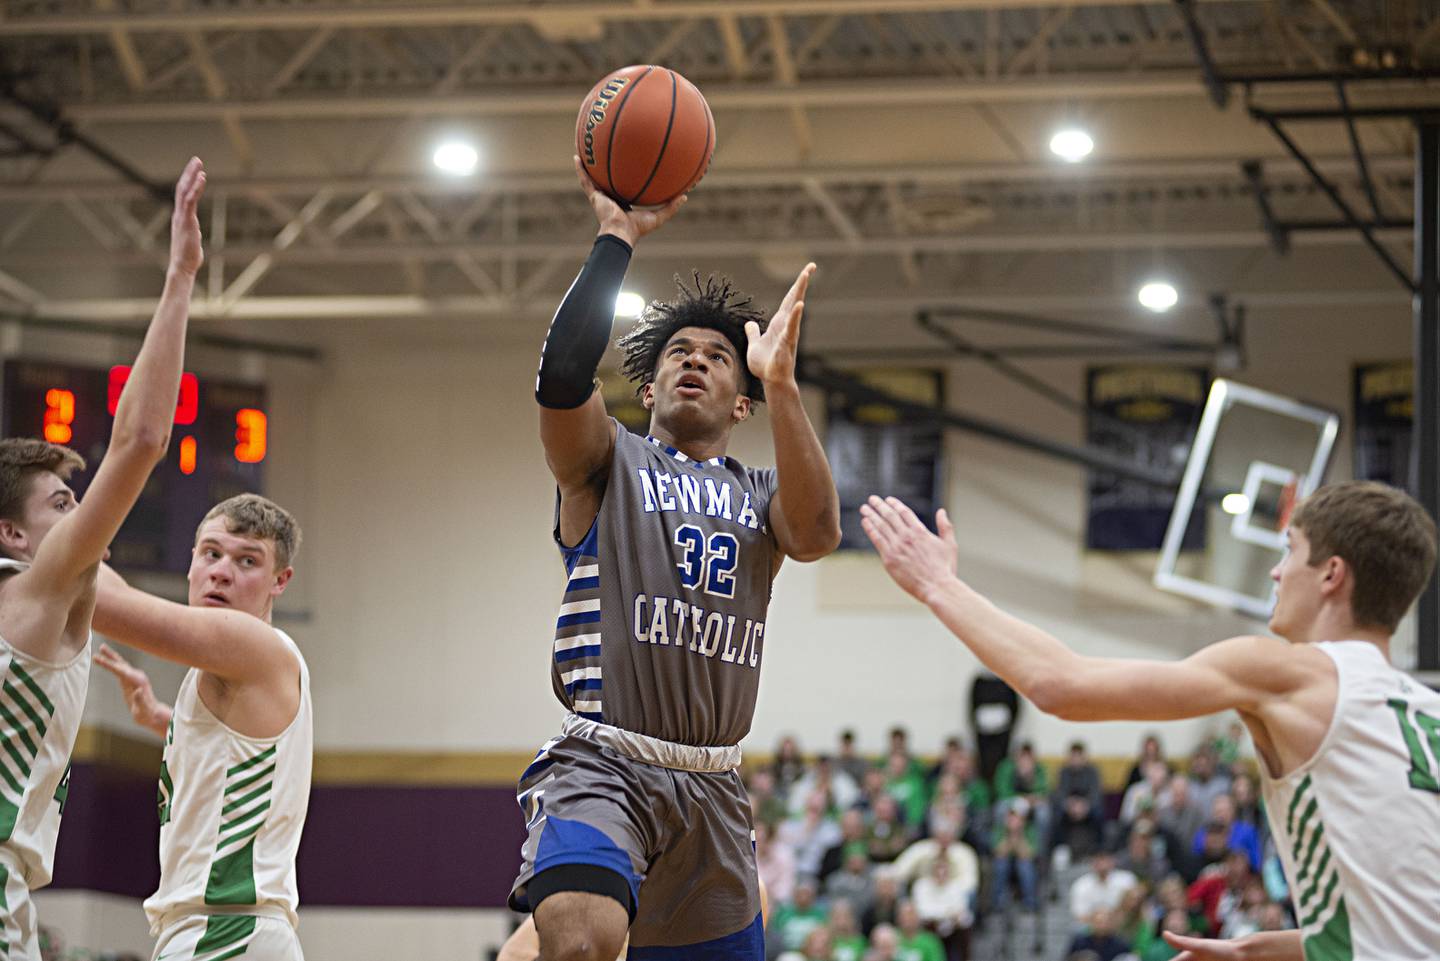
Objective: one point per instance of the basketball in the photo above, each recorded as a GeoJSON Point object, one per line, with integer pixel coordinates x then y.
{"type": "Point", "coordinates": [645, 135]}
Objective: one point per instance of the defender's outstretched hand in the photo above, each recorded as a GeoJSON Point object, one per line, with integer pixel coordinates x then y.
{"type": "Point", "coordinates": [1202, 949]}
{"type": "Point", "coordinates": [147, 710]}
{"type": "Point", "coordinates": [628, 225]}
{"type": "Point", "coordinates": [917, 559]}
{"type": "Point", "coordinates": [771, 356]}
{"type": "Point", "coordinates": [186, 252]}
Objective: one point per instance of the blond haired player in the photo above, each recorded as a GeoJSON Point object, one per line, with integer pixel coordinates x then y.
{"type": "Point", "coordinates": [50, 547]}
{"type": "Point", "coordinates": [235, 779]}
{"type": "Point", "coordinates": [1349, 746]}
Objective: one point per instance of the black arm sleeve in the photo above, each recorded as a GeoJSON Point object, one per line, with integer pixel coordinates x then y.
{"type": "Point", "coordinates": [581, 328]}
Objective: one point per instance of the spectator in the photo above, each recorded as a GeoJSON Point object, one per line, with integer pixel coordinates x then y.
{"type": "Point", "coordinates": [872, 788]}
{"type": "Point", "coordinates": [960, 765]}
{"type": "Point", "coordinates": [854, 883]}
{"type": "Point", "coordinates": [1206, 783]}
{"type": "Point", "coordinates": [1248, 807]}
{"type": "Point", "coordinates": [810, 835]}
{"type": "Point", "coordinates": [775, 863]}
{"type": "Point", "coordinates": [816, 947]}
{"type": "Point", "coordinates": [1023, 776]}
{"type": "Point", "coordinates": [852, 834]}
{"type": "Point", "coordinates": [884, 906]}
{"type": "Point", "coordinates": [1144, 854]}
{"type": "Point", "coordinates": [1227, 748]}
{"type": "Point", "coordinates": [848, 944]}
{"type": "Point", "coordinates": [1145, 795]}
{"type": "Point", "coordinates": [946, 908]}
{"type": "Point", "coordinates": [1246, 917]}
{"type": "Point", "coordinates": [765, 804]}
{"type": "Point", "coordinates": [788, 766]}
{"type": "Point", "coordinates": [1101, 887]}
{"type": "Point", "coordinates": [915, 860]}
{"type": "Point", "coordinates": [884, 944]}
{"type": "Point", "coordinates": [1176, 921]}
{"type": "Point", "coordinates": [1274, 917]}
{"type": "Point", "coordinates": [1150, 751]}
{"type": "Point", "coordinates": [849, 760]}
{"type": "Point", "coordinates": [906, 787]}
{"type": "Point", "coordinates": [1172, 896]}
{"type": "Point", "coordinates": [1016, 857]}
{"type": "Point", "coordinates": [1101, 938]}
{"type": "Point", "coordinates": [916, 943]}
{"type": "Point", "coordinates": [1220, 888]}
{"type": "Point", "coordinates": [1133, 923]}
{"type": "Point", "coordinates": [1078, 828]}
{"type": "Point", "coordinates": [900, 744]}
{"type": "Point", "coordinates": [796, 919]}
{"type": "Point", "coordinates": [1178, 812]}
{"type": "Point", "coordinates": [1079, 776]}
{"type": "Point", "coordinates": [1212, 852]}
{"type": "Point", "coordinates": [841, 789]}
{"type": "Point", "coordinates": [1239, 836]}
{"type": "Point", "coordinates": [887, 834]}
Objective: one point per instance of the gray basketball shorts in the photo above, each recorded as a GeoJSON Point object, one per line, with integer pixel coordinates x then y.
{"type": "Point", "coordinates": [683, 841]}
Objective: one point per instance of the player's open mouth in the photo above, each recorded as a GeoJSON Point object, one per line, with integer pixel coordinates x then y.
{"type": "Point", "coordinates": [217, 599]}
{"type": "Point", "coordinates": [690, 387]}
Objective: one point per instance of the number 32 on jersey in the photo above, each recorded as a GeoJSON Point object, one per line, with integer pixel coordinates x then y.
{"type": "Point", "coordinates": [707, 563]}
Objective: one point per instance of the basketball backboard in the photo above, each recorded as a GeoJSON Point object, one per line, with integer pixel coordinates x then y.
{"type": "Point", "coordinates": [1254, 455]}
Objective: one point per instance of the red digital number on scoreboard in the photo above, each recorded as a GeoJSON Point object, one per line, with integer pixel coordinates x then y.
{"type": "Point", "coordinates": [187, 407]}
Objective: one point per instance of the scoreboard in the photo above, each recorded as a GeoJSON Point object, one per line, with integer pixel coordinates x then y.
{"type": "Point", "coordinates": [218, 446]}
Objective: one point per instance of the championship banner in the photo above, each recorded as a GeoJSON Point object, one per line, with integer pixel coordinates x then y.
{"type": "Point", "coordinates": [1147, 413]}
{"type": "Point", "coordinates": [873, 450]}
{"type": "Point", "coordinates": [1384, 420]}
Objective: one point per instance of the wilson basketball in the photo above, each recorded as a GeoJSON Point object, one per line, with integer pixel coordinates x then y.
{"type": "Point", "coordinates": [645, 135]}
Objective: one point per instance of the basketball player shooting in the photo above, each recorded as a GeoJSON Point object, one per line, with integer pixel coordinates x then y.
{"type": "Point", "coordinates": [1349, 747]}
{"type": "Point", "coordinates": [636, 815]}
{"type": "Point", "coordinates": [235, 775]}
{"type": "Point", "coordinates": [51, 546]}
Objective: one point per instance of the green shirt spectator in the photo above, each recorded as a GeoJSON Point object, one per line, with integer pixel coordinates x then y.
{"type": "Point", "coordinates": [795, 920]}
{"type": "Point", "coordinates": [1021, 776]}
{"type": "Point", "coordinates": [921, 946]}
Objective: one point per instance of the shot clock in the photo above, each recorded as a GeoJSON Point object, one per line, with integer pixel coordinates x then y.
{"type": "Point", "coordinates": [217, 448]}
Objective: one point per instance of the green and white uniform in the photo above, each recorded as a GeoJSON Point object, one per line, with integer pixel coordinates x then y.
{"type": "Point", "coordinates": [40, 708]}
{"type": "Point", "coordinates": [1358, 825]}
{"type": "Point", "coordinates": [231, 811]}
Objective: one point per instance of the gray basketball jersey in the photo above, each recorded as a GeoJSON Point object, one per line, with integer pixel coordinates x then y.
{"type": "Point", "coordinates": [662, 627]}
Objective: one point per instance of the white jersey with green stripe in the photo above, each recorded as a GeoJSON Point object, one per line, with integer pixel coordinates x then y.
{"type": "Point", "coordinates": [231, 811]}
{"type": "Point", "coordinates": [40, 708]}
{"type": "Point", "coordinates": [1358, 825]}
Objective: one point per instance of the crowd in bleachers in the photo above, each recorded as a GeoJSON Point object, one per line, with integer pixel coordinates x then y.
{"type": "Point", "coordinates": [897, 858]}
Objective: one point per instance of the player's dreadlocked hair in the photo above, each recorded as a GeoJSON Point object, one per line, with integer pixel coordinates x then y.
{"type": "Point", "coordinates": [714, 304]}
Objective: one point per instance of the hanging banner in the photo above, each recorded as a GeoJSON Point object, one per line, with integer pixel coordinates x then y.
{"type": "Point", "coordinates": [873, 450]}
{"type": "Point", "coordinates": [1384, 420]}
{"type": "Point", "coordinates": [1147, 413]}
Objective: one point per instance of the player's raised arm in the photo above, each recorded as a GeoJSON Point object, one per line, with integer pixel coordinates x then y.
{"type": "Point", "coordinates": [146, 709]}
{"type": "Point", "coordinates": [577, 435]}
{"type": "Point", "coordinates": [805, 512]}
{"type": "Point", "coordinates": [141, 431]}
{"type": "Point", "coordinates": [1236, 674]}
{"type": "Point", "coordinates": [230, 644]}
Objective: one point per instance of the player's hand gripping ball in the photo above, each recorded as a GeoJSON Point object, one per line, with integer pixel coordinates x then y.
{"type": "Point", "coordinates": [645, 135]}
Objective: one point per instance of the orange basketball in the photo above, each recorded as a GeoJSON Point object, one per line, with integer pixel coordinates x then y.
{"type": "Point", "coordinates": [645, 135]}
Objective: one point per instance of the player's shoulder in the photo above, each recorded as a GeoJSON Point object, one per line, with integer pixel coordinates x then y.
{"type": "Point", "coordinates": [1275, 662]}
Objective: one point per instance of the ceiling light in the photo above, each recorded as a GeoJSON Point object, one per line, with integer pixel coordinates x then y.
{"type": "Point", "coordinates": [1072, 145]}
{"type": "Point", "coordinates": [1158, 296]}
{"type": "Point", "coordinates": [1234, 503]}
{"type": "Point", "coordinates": [629, 304]}
{"type": "Point", "coordinates": [456, 158]}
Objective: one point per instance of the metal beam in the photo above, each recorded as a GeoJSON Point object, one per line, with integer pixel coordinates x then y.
{"type": "Point", "coordinates": [1070, 242]}
{"type": "Point", "coordinates": [563, 180]}
{"type": "Point", "coordinates": [1426, 438]}
{"type": "Point", "coordinates": [562, 14]}
{"type": "Point", "coordinates": [846, 94]}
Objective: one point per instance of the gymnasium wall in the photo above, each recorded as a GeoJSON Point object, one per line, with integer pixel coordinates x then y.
{"type": "Point", "coordinates": [426, 590]}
